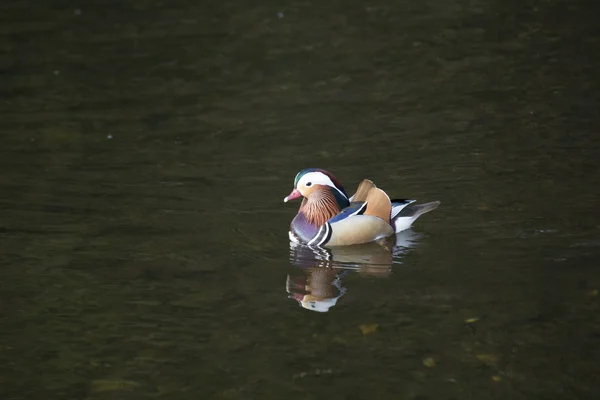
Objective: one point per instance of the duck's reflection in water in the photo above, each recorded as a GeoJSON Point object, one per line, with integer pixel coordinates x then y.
{"type": "Point", "coordinates": [317, 282]}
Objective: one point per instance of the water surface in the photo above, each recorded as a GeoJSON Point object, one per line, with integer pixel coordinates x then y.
{"type": "Point", "coordinates": [146, 148]}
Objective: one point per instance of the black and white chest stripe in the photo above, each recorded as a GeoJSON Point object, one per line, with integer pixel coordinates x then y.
{"type": "Point", "coordinates": [322, 236]}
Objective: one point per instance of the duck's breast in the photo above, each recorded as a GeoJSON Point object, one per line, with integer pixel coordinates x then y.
{"type": "Point", "coordinates": [302, 229]}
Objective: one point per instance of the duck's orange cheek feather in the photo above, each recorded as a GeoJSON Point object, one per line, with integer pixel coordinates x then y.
{"type": "Point", "coordinates": [309, 190]}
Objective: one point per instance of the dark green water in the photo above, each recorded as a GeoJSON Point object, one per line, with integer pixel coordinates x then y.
{"type": "Point", "coordinates": [146, 147]}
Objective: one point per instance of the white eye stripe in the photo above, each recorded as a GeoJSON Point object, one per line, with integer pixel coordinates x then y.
{"type": "Point", "coordinates": [318, 178]}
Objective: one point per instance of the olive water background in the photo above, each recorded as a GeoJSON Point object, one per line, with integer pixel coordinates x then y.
{"type": "Point", "coordinates": [146, 147]}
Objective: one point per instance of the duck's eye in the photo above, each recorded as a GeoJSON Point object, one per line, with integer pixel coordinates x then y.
{"type": "Point", "coordinates": [308, 184]}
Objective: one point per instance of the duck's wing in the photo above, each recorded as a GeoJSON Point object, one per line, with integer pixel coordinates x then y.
{"type": "Point", "coordinates": [368, 200]}
{"type": "Point", "coordinates": [378, 204]}
{"type": "Point", "coordinates": [362, 191]}
{"type": "Point", "coordinates": [417, 210]}
{"type": "Point", "coordinates": [409, 214]}
{"type": "Point", "coordinates": [355, 208]}
{"type": "Point", "coordinates": [398, 205]}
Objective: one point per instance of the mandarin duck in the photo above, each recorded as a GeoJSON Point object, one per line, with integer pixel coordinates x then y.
{"type": "Point", "coordinates": [328, 217]}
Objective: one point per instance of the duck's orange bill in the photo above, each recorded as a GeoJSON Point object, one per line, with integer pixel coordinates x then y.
{"type": "Point", "coordinates": [294, 195]}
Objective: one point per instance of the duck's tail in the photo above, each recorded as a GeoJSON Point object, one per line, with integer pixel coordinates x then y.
{"type": "Point", "coordinates": [409, 214]}
{"type": "Point", "coordinates": [416, 210]}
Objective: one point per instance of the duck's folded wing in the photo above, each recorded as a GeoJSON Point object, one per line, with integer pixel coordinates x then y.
{"type": "Point", "coordinates": [378, 204]}
{"type": "Point", "coordinates": [408, 214]}
{"type": "Point", "coordinates": [368, 200]}
{"type": "Point", "coordinates": [362, 191]}
{"type": "Point", "coordinates": [417, 210]}
{"type": "Point", "coordinates": [398, 205]}
{"type": "Point", "coordinates": [355, 208]}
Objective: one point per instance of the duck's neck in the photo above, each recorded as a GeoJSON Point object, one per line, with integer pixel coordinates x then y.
{"type": "Point", "coordinates": [322, 205]}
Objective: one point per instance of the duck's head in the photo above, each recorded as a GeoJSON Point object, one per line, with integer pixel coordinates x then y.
{"type": "Point", "coordinates": [310, 180]}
